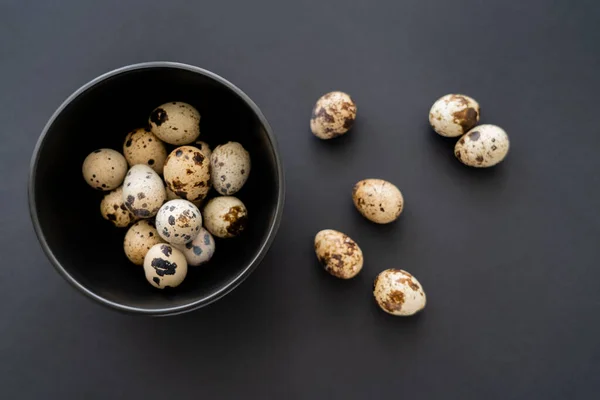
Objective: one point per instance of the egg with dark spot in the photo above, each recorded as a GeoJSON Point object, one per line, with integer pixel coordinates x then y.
{"type": "Point", "coordinates": [225, 216]}
{"type": "Point", "coordinates": [338, 253]}
{"type": "Point", "coordinates": [142, 147]}
{"type": "Point", "coordinates": [230, 168]}
{"type": "Point", "coordinates": [143, 191]}
{"type": "Point", "coordinates": [178, 221]}
{"type": "Point", "coordinates": [399, 293]}
{"type": "Point", "coordinates": [377, 200]}
{"type": "Point", "coordinates": [200, 250]}
{"type": "Point", "coordinates": [175, 123]}
{"type": "Point", "coordinates": [112, 208]}
{"type": "Point", "coordinates": [204, 148]}
{"type": "Point", "coordinates": [165, 266]}
{"type": "Point", "coordinates": [483, 146]}
{"type": "Point", "coordinates": [333, 115]}
{"type": "Point", "coordinates": [139, 239]}
{"type": "Point", "coordinates": [454, 114]}
{"type": "Point", "coordinates": [104, 169]}
{"type": "Point", "coordinates": [187, 173]}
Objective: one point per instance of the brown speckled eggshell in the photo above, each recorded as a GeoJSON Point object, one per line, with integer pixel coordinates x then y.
{"type": "Point", "coordinates": [142, 147]}
{"type": "Point", "coordinates": [104, 169]}
{"type": "Point", "coordinates": [175, 123]}
{"type": "Point", "coordinates": [483, 146]}
{"type": "Point", "coordinates": [454, 114]}
{"type": "Point", "coordinates": [113, 209]}
{"type": "Point", "coordinates": [399, 293]}
{"type": "Point", "coordinates": [178, 221]}
{"type": "Point", "coordinates": [377, 200]}
{"type": "Point", "coordinates": [333, 115]}
{"type": "Point", "coordinates": [139, 239]}
{"type": "Point", "coordinates": [230, 167]}
{"type": "Point", "coordinates": [187, 173]}
{"type": "Point", "coordinates": [204, 148]}
{"type": "Point", "coordinates": [338, 253]}
{"type": "Point", "coordinates": [225, 216]}
{"type": "Point", "coordinates": [143, 191]}
{"type": "Point", "coordinates": [165, 266]}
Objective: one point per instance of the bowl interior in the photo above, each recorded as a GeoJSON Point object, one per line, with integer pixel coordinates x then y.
{"type": "Point", "coordinates": [89, 248]}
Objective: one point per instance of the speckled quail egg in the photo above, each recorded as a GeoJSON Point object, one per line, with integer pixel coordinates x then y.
{"type": "Point", "coordinates": [178, 221]}
{"type": "Point", "coordinates": [230, 167]}
{"type": "Point", "coordinates": [339, 255]}
{"type": "Point", "coordinates": [112, 208]}
{"type": "Point", "coordinates": [139, 239]}
{"type": "Point", "coordinates": [399, 293]}
{"type": "Point", "coordinates": [200, 250]}
{"type": "Point", "coordinates": [483, 146]}
{"type": "Point", "coordinates": [165, 266]}
{"type": "Point", "coordinates": [175, 123]}
{"type": "Point", "coordinates": [225, 216]}
{"type": "Point", "coordinates": [204, 148]}
{"type": "Point", "coordinates": [143, 191]}
{"type": "Point", "coordinates": [454, 114]}
{"type": "Point", "coordinates": [187, 173]}
{"type": "Point", "coordinates": [142, 147]}
{"type": "Point", "coordinates": [378, 200]}
{"type": "Point", "coordinates": [333, 115]}
{"type": "Point", "coordinates": [104, 169]}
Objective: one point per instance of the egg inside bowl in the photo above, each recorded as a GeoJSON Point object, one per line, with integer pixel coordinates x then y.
{"type": "Point", "coordinates": [87, 250]}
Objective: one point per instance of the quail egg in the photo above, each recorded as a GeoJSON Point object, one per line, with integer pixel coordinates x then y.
{"type": "Point", "coordinates": [204, 148]}
{"type": "Point", "coordinates": [175, 123]}
{"type": "Point", "coordinates": [104, 169]}
{"type": "Point", "coordinates": [139, 239]}
{"type": "Point", "coordinates": [113, 209]}
{"type": "Point", "coordinates": [200, 250]}
{"type": "Point", "coordinates": [333, 115]}
{"type": "Point", "coordinates": [339, 255]}
{"type": "Point", "coordinates": [165, 266]}
{"type": "Point", "coordinates": [225, 216]}
{"type": "Point", "coordinates": [454, 114]}
{"type": "Point", "coordinates": [377, 200]}
{"type": "Point", "coordinates": [178, 221]}
{"type": "Point", "coordinates": [230, 167]}
{"type": "Point", "coordinates": [143, 147]}
{"type": "Point", "coordinates": [143, 191]}
{"type": "Point", "coordinates": [187, 173]}
{"type": "Point", "coordinates": [483, 146]}
{"type": "Point", "coordinates": [399, 293]}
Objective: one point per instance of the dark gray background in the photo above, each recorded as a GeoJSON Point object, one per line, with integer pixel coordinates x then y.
{"type": "Point", "coordinates": [508, 256]}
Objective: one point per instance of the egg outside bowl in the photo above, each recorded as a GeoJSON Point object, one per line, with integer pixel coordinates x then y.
{"type": "Point", "coordinates": [86, 249]}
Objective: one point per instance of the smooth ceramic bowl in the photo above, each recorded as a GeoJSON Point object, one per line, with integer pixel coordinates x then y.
{"type": "Point", "coordinates": [86, 249]}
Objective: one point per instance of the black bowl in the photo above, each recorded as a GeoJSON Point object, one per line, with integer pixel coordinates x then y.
{"type": "Point", "coordinates": [86, 249]}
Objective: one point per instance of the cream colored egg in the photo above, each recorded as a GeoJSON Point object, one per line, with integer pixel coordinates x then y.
{"type": "Point", "coordinates": [339, 255]}
{"type": "Point", "coordinates": [165, 266]}
{"type": "Point", "coordinates": [230, 167]}
{"type": "Point", "coordinates": [200, 250]}
{"type": "Point", "coordinates": [483, 146]}
{"type": "Point", "coordinates": [143, 191]}
{"type": "Point", "coordinates": [333, 115]}
{"type": "Point", "coordinates": [187, 173]}
{"type": "Point", "coordinates": [377, 200]}
{"type": "Point", "coordinates": [454, 114]}
{"type": "Point", "coordinates": [139, 239]}
{"type": "Point", "coordinates": [225, 216]}
{"type": "Point", "coordinates": [112, 208]}
{"type": "Point", "coordinates": [399, 293]}
{"type": "Point", "coordinates": [104, 169]}
{"type": "Point", "coordinates": [178, 221]}
{"type": "Point", "coordinates": [204, 148]}
{"type": "Point", "coordinates": [175, 123]}
{"type": "Point", "coordinates": [142, 147]}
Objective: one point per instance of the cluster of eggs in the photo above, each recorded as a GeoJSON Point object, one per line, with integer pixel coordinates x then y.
{"type": "Point", "coordinates": [167, 231]}
{"type": "Point", "coordinates": [396, 291]}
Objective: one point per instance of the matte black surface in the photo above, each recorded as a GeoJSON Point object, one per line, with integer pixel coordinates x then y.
{"type": "Point", "coordinates": [509, 257]}
{"type": "Point", "coordinates": [86, 249]}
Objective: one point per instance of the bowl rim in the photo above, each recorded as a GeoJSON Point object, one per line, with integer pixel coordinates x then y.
{"type": "Point", "coordinates": [204, 301]}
